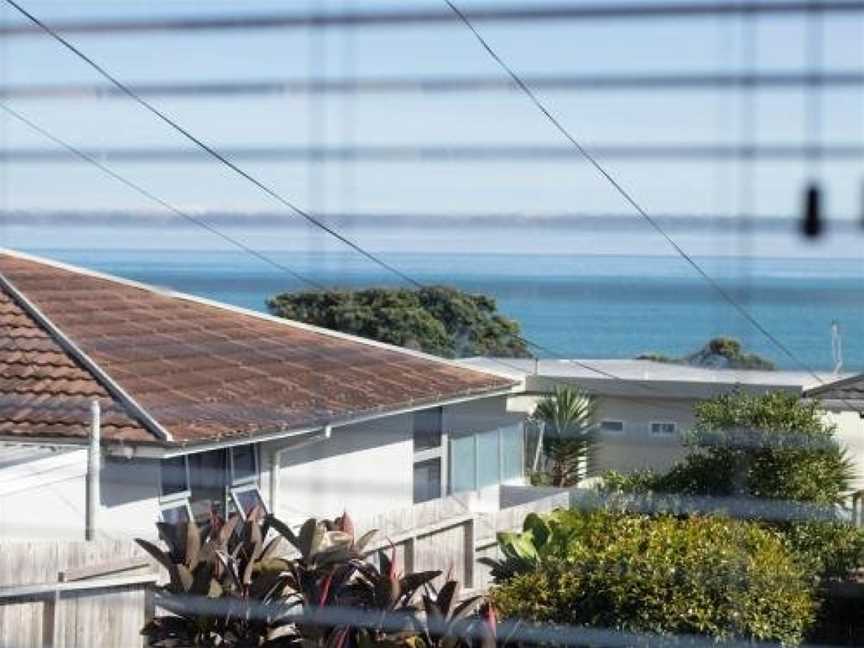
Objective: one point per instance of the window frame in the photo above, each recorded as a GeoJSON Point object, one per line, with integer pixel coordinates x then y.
{"type": "Point", "coordinates": [663, 434]}
{"type": "Point", "coordinates": [176, 504]}
{"type": "Point", "coordinates": [174, 497]}
{"type": "Point", "coordinates": [429, 460]}
{"type": "Point", "coordinates": [244, 481]}
{"type": "Point", "coordinates": [439, 411]}
{"type": "Point", "coordinates": [245, 488]}
{"type": "Point", "coordinates": [608, 431]}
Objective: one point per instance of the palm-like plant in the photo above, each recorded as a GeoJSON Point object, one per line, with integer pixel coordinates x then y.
{"type": "Point", "coordinates": [567, 418]}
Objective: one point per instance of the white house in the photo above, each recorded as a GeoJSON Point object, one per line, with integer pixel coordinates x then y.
{"type": "Point", "coordinates": [205, 407]}
{"type": "Point", "coordinates": [644, 406]}
{"type": "Point", "coordinates": [843, 401]}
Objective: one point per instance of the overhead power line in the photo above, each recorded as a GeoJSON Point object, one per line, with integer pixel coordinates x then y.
{"type": "Point", "coordinates": [402, 17]}
{"type": "Point", "coordinates": [206, 147]}
{"type": "Point", "coordinates": [458, 153]}
{"type": "Point", "coordinates": [200, 222]}
{"type": "Point", "coordinates": [628, 198]}
{"type": "Point", "coordinates": [449, 84]}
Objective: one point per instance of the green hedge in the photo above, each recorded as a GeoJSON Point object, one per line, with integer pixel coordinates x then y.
{"type": "Point", "coordinates": [700, 575]}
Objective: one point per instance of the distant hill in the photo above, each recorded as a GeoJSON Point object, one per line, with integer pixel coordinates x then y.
{"type": "Point", "coordinates": [719, 353]}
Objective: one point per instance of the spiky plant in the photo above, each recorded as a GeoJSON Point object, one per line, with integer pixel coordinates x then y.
{"type": "Point", "coordinates": [568, 420]}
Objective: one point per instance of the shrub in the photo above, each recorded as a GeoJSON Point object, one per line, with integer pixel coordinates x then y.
{"type": "Point", "coordinates": [702, 575]}
{"type": "Point", "coordinates": [232, 587]}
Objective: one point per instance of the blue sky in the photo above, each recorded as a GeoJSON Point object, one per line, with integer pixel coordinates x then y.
{"type": "Point", "coordinates": [520, 187]}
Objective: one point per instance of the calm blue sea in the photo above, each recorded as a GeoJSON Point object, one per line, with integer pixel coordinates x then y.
{"type": "Point", "coordinates": [577, 306]}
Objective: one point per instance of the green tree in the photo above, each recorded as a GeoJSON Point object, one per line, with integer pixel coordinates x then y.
{"type": "Point", "coordinates": [440, 320]}
{"type": "Point", "coordinates": [567, 418]}
{"type": "Point", "coordinates": [720, 352]}
{"type": "Point", "coordinates": [773, 446]}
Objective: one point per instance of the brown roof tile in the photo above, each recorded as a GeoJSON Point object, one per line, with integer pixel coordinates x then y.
{"type": "Point", "coordinates": [202, 371]}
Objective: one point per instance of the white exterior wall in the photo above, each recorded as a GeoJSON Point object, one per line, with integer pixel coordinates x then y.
{"type": "Point", "coordinates": [44, 498]}
{"type": "Point", "coordinates": [129, 498]}
{"type": "Point", "coordinates": [850, 433]}
{"type": "Point", "coordinates": [366, 469]}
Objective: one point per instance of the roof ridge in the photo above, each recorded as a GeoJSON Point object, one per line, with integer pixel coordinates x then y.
{"type": "Point", "coordinates": [170, 292]}
{"type": "Point", "coordinates": [134, 409]}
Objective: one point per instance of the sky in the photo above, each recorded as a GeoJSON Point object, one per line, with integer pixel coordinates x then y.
{"type": "Point", "coordinates": [449, 188]}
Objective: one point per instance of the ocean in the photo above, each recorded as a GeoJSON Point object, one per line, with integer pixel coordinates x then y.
{"type": "Point", "coordinates": [578, 306]}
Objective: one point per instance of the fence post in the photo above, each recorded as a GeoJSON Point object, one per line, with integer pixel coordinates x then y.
{"type": "Point", "coordinates": [470, 552]}
{"type": "Point", "coordinates": [51, 625]}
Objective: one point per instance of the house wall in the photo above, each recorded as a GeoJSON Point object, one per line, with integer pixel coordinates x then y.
{"type": "Point", "coordinates": [850, 433]}
{"type": "Point", "coordinates": [44, 498]}
{"type": "Point", "coordinates": [129, 497]}
{"type": "Point", "coordinates": [365, 469]}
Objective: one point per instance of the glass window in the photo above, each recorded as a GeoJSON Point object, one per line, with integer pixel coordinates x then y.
{"type": "Point", "coordinates": [463, 464]}
{"type": "Point", "coordinates": [427, 480]}
{"type": "Point", "coordinates": [427, 428]}
{"type": "Point", "coordinates": [612, 426]}
{"type": "Point", "coordinates": [512, 452]}
{"type": "Point", "coordinates": [246, 499]}
{"type": "Point", "coordinates": [174, 476]}
{"type": "Point", "coordinates": [176, 514]}
{"type": "Point", "coordinates": [243, 463]}
{"type": "Point", "coordinates": [663, 428]}
{"type": "Point", "coordinates": [489, 469]}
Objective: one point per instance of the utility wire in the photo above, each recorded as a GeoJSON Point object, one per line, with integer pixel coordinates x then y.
{"type": "Point", "coordinates": [206, 147]}
{"type": "Point", "coordinates": [198, 142]}
{"type": "Point", "coordinates": [629, 198]}
{"type": "Point", "coordinates": [90, 159]}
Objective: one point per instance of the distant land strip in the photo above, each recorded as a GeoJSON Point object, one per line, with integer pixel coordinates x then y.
{"type": "Point", "coordinates": [595, 222]}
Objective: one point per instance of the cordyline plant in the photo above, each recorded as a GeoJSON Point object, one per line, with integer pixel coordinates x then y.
{"type": "Point", "coordinates": [232, 587]}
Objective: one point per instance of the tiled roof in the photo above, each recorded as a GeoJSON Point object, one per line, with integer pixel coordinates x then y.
{"type": "Point", "coordinates": [202, 371]}
{"type": "Point", "coordinates": [44, 392]}
{"type": "Point", "coordinates": [849, 390]}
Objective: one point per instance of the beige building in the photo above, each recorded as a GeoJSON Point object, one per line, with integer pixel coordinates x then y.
{"type": "Point", "coordinates": [644, 407]}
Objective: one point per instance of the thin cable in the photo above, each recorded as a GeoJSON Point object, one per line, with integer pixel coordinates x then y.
{"type": "Point", "coordinates": [310, 218]}
{"type": "Point", "coordinates": [207, 148]}
{"type": "Point", "coordinates": [151, 196]}
{"type": "Point", "coordinates": [626, 195]}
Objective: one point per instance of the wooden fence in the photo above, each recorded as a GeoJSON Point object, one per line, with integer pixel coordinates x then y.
{"type": "Point", "coordinates": [95, 594]}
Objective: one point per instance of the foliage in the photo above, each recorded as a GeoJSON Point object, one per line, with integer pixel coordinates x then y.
{"type": "Point", "coordinates": [721, 352]}
{"type": "Point", "coordinates": [438, 319]}
{"type": "Point", "coordinates": [773, 446]}
{"type": "Point", "coordinates": [568, 416]}
{"type": "Point", "coordinates": [540, 538]}
{"type": "Point", "coordinates": [702, 575]}
{"type": "Point", "coordinates": [231, 587]}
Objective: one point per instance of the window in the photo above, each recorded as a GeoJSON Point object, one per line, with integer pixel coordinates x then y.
{"type": "Point", "coordinates": [175, 477]}
{"type": "Point", "coordinates": [244, 467]}
{"type": "Point", "coordinates": [664, 428]}
{"type": "Point", "coordinates": [463, 464]}
{"type": "Point", "coordinates": [427, 429]}
{"type": "Point", "coordinates": [488, 459]}
{"type": "Point", "coordinates": [427, 480]}
{"type": "Point", "coordinates": [176, 513]}
{"type": "Point", "coordinates": [512, 452]}
{"type": "Point", "coordinates": [245, 499]}
{"type": "Point", "coordinates": [612, 426]}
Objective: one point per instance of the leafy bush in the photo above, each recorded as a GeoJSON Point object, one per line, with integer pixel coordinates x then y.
{"type": "Point", "coordinates": [231, 587]}
{"type": "Point", "coordinates": [703, 575]}
{"type": "Point", "coordinates": [438, 319]}
{"type": "Point", "coordinates": [773, 446]}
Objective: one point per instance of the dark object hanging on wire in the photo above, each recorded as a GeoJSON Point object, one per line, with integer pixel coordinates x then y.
{"type": "Point", "coordinates": [812, 224]}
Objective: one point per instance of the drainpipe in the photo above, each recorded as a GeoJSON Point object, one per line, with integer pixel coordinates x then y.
{"type": "Point", "coordinates": [275, 459]}
{"type": "Point", "coordinates": [93, 470]}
